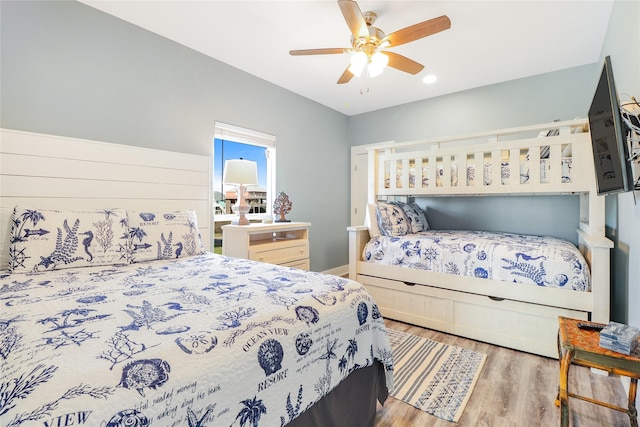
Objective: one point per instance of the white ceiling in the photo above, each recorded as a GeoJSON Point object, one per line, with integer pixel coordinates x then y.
{"type": "Point", "coordinates": [488, 42]}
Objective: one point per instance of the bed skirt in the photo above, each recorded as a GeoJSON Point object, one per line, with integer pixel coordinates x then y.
{"type": "Point", "coordinates": [362, 389]}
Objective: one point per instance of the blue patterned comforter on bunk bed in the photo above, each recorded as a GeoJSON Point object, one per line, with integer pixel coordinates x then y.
{"type": "Point", "coordinates": [204, 340]}
{"type": "Point", "coordinates": [542, 261]}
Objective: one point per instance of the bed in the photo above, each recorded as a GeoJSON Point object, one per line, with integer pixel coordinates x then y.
{"type": "Point", "coordinates": [114, 313]}
{"type": "Point", "coordinates": [459, 295]}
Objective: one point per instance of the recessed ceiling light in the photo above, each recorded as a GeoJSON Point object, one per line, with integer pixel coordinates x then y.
{"type": "Point", "coordinates": [429, 78]}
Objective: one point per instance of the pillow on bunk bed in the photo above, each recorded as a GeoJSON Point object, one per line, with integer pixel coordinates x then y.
{"type": "Point", "coordinates": [371, 220]}
{"type": "Point", "coordinates": [48, 239]}
{"type": "Point", "coordinates": [416, 217]}
{"type": "Point", "coordinates": [392, 219]}
{"type": "Point", "coordinates": [163, 235]}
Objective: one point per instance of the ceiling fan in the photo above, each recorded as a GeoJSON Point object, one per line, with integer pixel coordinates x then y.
{"type": "Point", "coordinates": [368, 43]}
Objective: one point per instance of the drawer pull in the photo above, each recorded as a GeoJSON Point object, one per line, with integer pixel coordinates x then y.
{"type": "Point", "coordinates": [495, 298]}
{"type": "Point", "coordinates": [409, 284]}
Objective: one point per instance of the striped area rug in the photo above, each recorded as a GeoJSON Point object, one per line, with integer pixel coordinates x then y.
{"type": "Point", "coordinates": [434, 377]}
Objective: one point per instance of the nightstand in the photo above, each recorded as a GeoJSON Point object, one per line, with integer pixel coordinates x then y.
{"type": "Point", "coordinates": [285, 243]}
{"type": "Point", "coordinates": [582, 347]}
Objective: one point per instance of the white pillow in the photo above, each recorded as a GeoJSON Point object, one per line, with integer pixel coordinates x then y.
{"type": "Point", "coordinates": [158, 235]}
{"type": "Point", "coordinates": [47, 239]}
{"type": "Point", "coordinates": [392, 219]}
{"type": "Point", "coordinates": [416, 217]}
{"type": "Point", "coordinates": [371, 220]}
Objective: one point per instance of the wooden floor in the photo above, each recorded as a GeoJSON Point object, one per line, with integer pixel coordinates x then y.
{"type": "Point", "coordinates": [514, 389]}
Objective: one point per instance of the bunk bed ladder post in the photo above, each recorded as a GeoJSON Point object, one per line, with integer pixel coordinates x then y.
{"type": "Point", "coordinates": [600, 286]}
{"type": "Point", "coordinates": [358, 238]}
{"type": "Point", "coordinates": [591, 233]}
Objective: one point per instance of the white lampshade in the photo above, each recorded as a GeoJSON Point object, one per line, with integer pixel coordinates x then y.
{"type": "Point", "coordinates": [378, 62]}
{"type": "Point", "coordinates": [240, 172]}
{"type": "Point", "coordinates": [358, 60]}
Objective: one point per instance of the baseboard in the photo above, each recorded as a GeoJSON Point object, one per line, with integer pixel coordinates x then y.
{"type": "Point", "coordinates": [343, 270]}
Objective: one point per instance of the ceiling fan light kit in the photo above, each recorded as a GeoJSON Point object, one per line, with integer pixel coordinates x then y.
{"type": "Point", "coordinates": [375, 63]}
{"type": "Point", "coordinates": [368, 42]}
{"type": "Point", "coordinates": [358, 62]}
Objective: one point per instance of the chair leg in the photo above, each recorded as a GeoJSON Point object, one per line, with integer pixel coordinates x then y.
{"type": "Point", "coordinates": [633, 412]}
{"type": "Point", "coordinates": [564, 388]}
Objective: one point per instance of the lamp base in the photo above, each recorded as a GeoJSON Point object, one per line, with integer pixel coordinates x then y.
{"type": "Point", "coordinates": [241, 208]}
{"type": "Point", "coordinates": [241, 220]}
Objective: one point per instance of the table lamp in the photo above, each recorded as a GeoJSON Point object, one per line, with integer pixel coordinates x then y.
{"type": "Point", "coordinates": [240, 172]}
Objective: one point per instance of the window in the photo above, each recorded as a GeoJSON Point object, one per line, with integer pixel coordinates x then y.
{"type": "Point", "coordinates": [232, 142]}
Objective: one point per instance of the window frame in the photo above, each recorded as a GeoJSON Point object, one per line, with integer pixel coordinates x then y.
{"type": "Point", "coordinates": [232, 133]}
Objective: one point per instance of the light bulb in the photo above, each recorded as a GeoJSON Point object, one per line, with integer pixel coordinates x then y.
{"type": "Point", "coordinates": [378, 62]}
{"type": "Point", "coordinates": [358, 61]}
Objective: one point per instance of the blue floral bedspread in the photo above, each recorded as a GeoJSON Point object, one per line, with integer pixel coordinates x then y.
{"type": "Point", "coordinates": [200, 341]}
{"type": "Point", "coordinates": [543, 261]}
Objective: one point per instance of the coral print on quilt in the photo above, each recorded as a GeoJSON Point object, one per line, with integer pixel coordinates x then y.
{"type": "Point", "coordinates": [201, 341]}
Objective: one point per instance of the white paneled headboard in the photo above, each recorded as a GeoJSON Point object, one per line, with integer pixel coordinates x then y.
{"type": "Point", "coordinates": [53, 172]}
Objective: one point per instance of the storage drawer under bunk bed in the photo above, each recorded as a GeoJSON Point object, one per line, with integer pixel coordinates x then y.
{"type": "Point", "coordinates": [519, 325]}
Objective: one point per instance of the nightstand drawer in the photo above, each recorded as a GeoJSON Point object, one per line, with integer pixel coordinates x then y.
{"type": "Point", "coordinates": [284, 244]}
{"type": "Point", "coordinates": [279, 253]}
{"type": "Point", "coordinates": [301, 264]}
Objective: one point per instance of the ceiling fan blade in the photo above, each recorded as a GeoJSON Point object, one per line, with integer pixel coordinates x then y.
{"type": "Point", "coordinates": [355, 19]}
{"type": "Point", "coordinates": [327, 51]}
{"type": "Point", "coordinates": [418, 31]}
{"type": "Point", "coordinates": [403, 63]}
{"type": "Point", "coordinates": [345, 77]}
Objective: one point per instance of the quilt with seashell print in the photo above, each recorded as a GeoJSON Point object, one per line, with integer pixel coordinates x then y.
{"type": "Point", "coordinates": [202, 341]}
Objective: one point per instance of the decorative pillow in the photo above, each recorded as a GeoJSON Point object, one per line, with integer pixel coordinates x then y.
{"type": "Point", "coordinates": [392, 219]}
{"type": "Point", "coordinates": [416, 217]}
{"type": "Point", "coordinates": [371, 221]}
{"type": "Point", "coordinates": [157, 235]}
{"type": "Point", "coordinates": [44, 240]}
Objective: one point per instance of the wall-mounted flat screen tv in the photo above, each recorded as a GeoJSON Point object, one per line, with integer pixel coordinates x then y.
{"type": "Point", "coordinates": [608, 137]}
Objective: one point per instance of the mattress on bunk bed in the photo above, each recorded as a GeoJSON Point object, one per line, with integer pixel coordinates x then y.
{"type": "Point", "coordinates": [517, 258]}
{"type": "Point", "coordinates": [201, 340]}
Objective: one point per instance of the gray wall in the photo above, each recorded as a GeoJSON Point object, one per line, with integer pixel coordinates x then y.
{"type": "Point", "coordinates": [68, 69]}
{"type": "Point", "coordinates": [622, 43]}
{"type": "Point", "coordinates": [543, 98]}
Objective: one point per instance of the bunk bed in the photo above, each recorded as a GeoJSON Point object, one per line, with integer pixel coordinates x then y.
{"type": "Point", "coordinates": [546, 159]}
{"type": "Point", "coordinates": [115, 314]}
